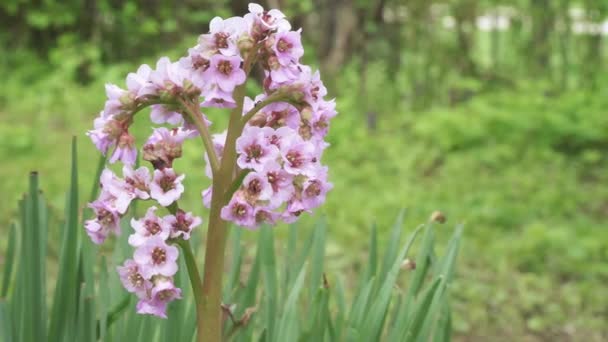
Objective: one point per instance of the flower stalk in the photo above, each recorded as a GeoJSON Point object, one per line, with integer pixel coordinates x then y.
{"type": "Point", "coordinates": [264, 168]}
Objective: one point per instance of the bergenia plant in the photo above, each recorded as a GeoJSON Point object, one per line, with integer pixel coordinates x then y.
{"type": "Point", "coordinates": [265, 167]}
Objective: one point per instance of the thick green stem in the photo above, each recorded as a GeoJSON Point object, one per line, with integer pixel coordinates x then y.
{"type": "Point", "coordinates": [195, 282]}
{"type": "Point", "coordinates": [217, 232]}
{"type": "Point", "coordinates": [201, 127]}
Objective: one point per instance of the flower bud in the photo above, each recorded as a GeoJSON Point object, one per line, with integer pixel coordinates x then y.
{"type": "Point", "coordinates": [245, 44]}
{"type": "Point", "coordinates": [438, 216]}
{"type": "Point", "coordinates": [408, 264]}
{"type": "Point", "coordinates": [306, 113]}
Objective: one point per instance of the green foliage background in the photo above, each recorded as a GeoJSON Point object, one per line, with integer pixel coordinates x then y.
{"type": "Point", "coordinates": [514, 148]}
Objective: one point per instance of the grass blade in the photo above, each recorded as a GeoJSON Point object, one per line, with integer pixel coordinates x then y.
{"type": "Point", "coordinates": [6, 325]}
{"type": "Point", "coordinates": [35, 306]}
{"type": "Point", "coordinates": [7, 274]}
{"type": "Point", "coordinates": [318, 255]}
{"type": "Point", "coordinates": [65, 302]}
{"type": "Point", "coordinates": [266, 246]}
{"type": "Point", "coordinates": [288, 330]}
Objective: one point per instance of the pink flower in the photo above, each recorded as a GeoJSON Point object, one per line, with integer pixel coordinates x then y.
{"type": "Point", "coordinates": [106, 221]}
{"type": "Point", "coordinates": [298, 156]}
{"type": "Point", "coordinates": [266, 20]}
{"type": "Point", "coordinates": [239, 212]}
{"type": "Point", "coordinates": [105, 133]}
{"type": "Point", "coordinates": [166, 186]}
{"type": "Point", "coordinates": [165, 145]}
{"type": "Point", "coordinates": [313, 192]}
{"type": "Point", "coordinates": [125, 150]}
{"type": "Point", "coordinates": [265, 216]}
{"type": "Point", "coordinates": [281, 183]}
{"type": "Point", "coordinates": [132, 280]}
{"type": "Point", "coordinates": [182, 223]}
{"type": "Point", "coordinates": [168, 75]}
{"type": "Point", "coordinates": [135, 185]}
{"type": "Point", "coordinates": [160, 114]}
{"type": "Point", "coordinates": [223, 36]}
{"type": "Point", "coordinates": [138, 83]}
{"type": "Point", "coordinates": [147, 227]}
{"type": "Point", "coordinates": [155, 257]}
{"type": "Point", "coordinates": [288, 47]}
{"type": "Point", "coordinates": [216, 97]}
{"type": "Point", "coordinates": [118, 100]}
{"type": "Point", "coordinates": [256, 188]}
{"type": "Point", "coordinates": [137, 182]}
{"type": "Point", "coordinates": [163, 292]}
{"type": "Point", "coordinates": [226, 72]}
{"type": "Point", "coordinates": [254, 150]}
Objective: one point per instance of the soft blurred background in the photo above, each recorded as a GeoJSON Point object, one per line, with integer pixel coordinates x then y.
{"type": "Point", "coordinates": [494, 112]}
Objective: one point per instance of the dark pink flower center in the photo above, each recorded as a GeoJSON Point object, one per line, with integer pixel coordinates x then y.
{"type": "Point", "coordinates": [262, 216]}
{"type": "Point", "coordinates": [221, 40]}
{"type": "Point", "coordinates": [239, 210]}
{"type": "Point", "coordinates": [167, 183]}
{"type": "Point", "coordinates": [314, 189]}
{"type": "Point", "coordinates": [165, 294]}
{"type": "Point", "coordinates": [277, 119]}
{"type": "Point", "coordinates": [135, 278]}
{"type": "Point", "coordinates": [224, 67]}
{"type": "Point", "coordinates": [159, 255]}
{"type": "Point", "coordinates": [152, 227]}
{"type": "Point", "coordinates": [182, 224]}
{"type": "Point", "coordinates": [254, 187]}
{"type": "Point", "coordinates": [254, 151]}
{"type": "Point", "coordinates": [273, 179]}
{"type": "Point", "coordinates": [200, 63]}
{"type": "Point", "coordinates": [105, 217]}
{"type": "Point", "coordinates": [283, 45]}
{"type": "Point", "coordinates": [294, 158]}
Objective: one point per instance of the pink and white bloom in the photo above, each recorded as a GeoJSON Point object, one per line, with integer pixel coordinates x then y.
{"type": "Point", "coordinates": [281, 183]}
{"type": "Point", "coordinates": [132, 279]}
{"type": "Point", "coordinates": [254, 150]}
{"type": "Point", "coordinates": [147, 227]}
{"type": "Point", "coordinates": [256, 188]}
{"type": "Point", "coordinates": [155, 257]}
{"type": "Point", "coordinates": [288, 47]}
{"type": "Point", "coordinates": [106, 221]}
{"type": "Point", "coordinates": [299, 156]}
{"type": "Point", "coordinates": [223, 36]}
{"type": "Point", "coordinates": [163, 292]}
{"type": "Point", "coordinates": [138, 83]}
{"type": "Point", "coordinates": [105, 132]}
{"type": "Point", "coordinates": [226, 72]}
{"type": "Point", "coordinates": [181, 224]}
{"type": "Point", "coordinates": [118, 100]}
{"type": "Point", "coordinates": [135, 185]}
{"type": "Point", "coordinates": [240, 212]}
{"type": "Point", "coordinates": [168, 75]}
{"type": "Point", "coordinates": [160, 114]}
{"type": "Point", "coordinates": [125, 150]}
{"type": "Point", "coordinates": [166, 186]}
{"type": "Point", "coordinates": [266, 20]}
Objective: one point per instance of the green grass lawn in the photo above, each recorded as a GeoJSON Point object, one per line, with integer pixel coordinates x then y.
{"type": "Point", "coordinates": [525, 172]}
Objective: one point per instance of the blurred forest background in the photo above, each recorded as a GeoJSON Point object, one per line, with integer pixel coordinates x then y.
{"type": "Point", "coordinates": [494, 112]}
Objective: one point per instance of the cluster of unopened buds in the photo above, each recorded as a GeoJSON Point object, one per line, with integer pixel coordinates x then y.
{"type": "Point", "coordinates": [277, 144]}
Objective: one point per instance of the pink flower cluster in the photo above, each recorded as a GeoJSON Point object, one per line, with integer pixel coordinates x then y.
{"type": "Point", "coordinates": [279, 150]}
{"type": "Point", "coordinates": [150, 274]}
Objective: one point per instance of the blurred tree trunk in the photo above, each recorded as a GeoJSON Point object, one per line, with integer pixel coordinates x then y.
{"type": "Point", "coordinates": [564, 42]}
{"type": "Point", "coordinates": [336, 45]}
{"type": "Point", "coordinates": [465, 17]}
{"type": "Point", "coordinates": [592, 61]}
{"type": "Point", "coordinates": [495, 40]}
{"type": "Point", "coordinates": [543, 22]}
